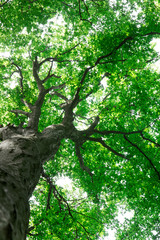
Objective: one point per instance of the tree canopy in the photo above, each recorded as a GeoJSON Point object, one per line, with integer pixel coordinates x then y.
{"type": "Point", "coordinates": [88, 65]}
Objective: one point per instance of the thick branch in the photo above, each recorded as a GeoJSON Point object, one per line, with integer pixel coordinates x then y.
{"type": "Point", "coordinates": [91, 130]}
{"type": "Point", "coordinates": [134, 145]}
{"type": "Point", "coordinates": [49, 72]}
{"type": "Point", "coordinates": [60, 200]}
{"type": "Point", "coordinates": [129, 38]}
{"type": "Point", "coordinates": [36, 108]}
{"type": "Point", "coordinates": [49, 59]}
{"type": "Point", "coordinates": [36, 66]}
{"type": "Point", "coordinates": [96, 63]}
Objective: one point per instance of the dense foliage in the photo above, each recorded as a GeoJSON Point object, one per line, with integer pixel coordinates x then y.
{"type": "Point", "coordinates": [104, 51]}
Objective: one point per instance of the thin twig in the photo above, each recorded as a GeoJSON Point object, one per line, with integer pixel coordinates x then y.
{"type": "Point", "coordinates": [1, 5]}
{"type": "Point", "coordinates": [99, 140]}
{"type": "Point", "coordinates": [134, 145]}
{"type": "Point", "coordinates": [80, 158]}
{"type": "Point", "coordinates": [69, 50]}
{"type": "Point", "coordinates": [60, 96]}
{"type": "Point", "coordinates": [147, 139]}
{"type": "Point", "coordinates": [105, 132]}
{"type": "Point", "coordinates": [56, 87]}
{"type": "Point", "coordinates": [20, 112]}
{"type": "Point", "coordinates": [21, 76]}
{"type": "Point", "coordinates": [114, 50]}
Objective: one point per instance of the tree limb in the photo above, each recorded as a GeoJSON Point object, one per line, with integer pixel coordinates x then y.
{"type": "Point", "coordinates": [129, 38]}
{"type": "Point", "coordinates": [60, 96]}
{"type": "Point", "coordinates": [99, 140]}
{"type": "Point", "coordinates": [105, 132]}
{"type": "Point", "coordinates": [90, 130]}
{"type": "Point", "coordinates": [147, 139]}
{"type": "Point", "coordinates": [151, 33]}
{"type": "Point", "coordinates": [49, 72]}
{"type": "Point", "coordinates": [69, 50]}
{"type": "Point", "coordinates": [134, 145]}
{"type": "Point", "coordinates": [86, 7]}
{"type": "Point", "coordinates": [86, 216]}
{"type": "Point", "coordinates": [21, 76]}
{"type": "Point", "coordinates": [20, 112]}
{"type": "Point", "coordinates": [123, 60]}
{"type": "Point", "coordinates": [1, 5]}
{"type": "Point", "coordinates": [81, 82]}
{"type": "Point", "coordinates": [49, 76]}
{"type": "Point", "coordinates": [49, 59]}
{"type": "Point", "coordinates": [36, 67]}
{"type": "Point", "coordinates": [55, 87]}
{"type": "Point", "coordinates": [57, 195]}
{"type": "Point", "coordinates": [87, 233]}
{"type": "Point", "coordinates": [79, 4]}
{"type": "Point", "coordinates": [60, 198]}
{"type": "Point", "coordinates": [55, 59]}
{"type": "Point", "coordinates": [80, 158]}
{"type": "Point", "coordinates": [114, 50]}
{"type": "Point", "coordinates": [67, 5]}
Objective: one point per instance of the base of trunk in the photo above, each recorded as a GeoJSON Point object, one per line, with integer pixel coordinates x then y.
{"type": "Point", "coordinates": [14, 208]}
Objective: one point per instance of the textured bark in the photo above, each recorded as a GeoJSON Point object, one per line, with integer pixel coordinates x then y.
{"type": "Point", "coordinates": [21, 159]}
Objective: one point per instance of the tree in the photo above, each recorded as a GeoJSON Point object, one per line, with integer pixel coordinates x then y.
{"type": "Point", "coordinates": [79, 98]}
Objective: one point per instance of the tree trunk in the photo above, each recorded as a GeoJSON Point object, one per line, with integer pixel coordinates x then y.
{"type": "Point", "coordinates": [21, 160]}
